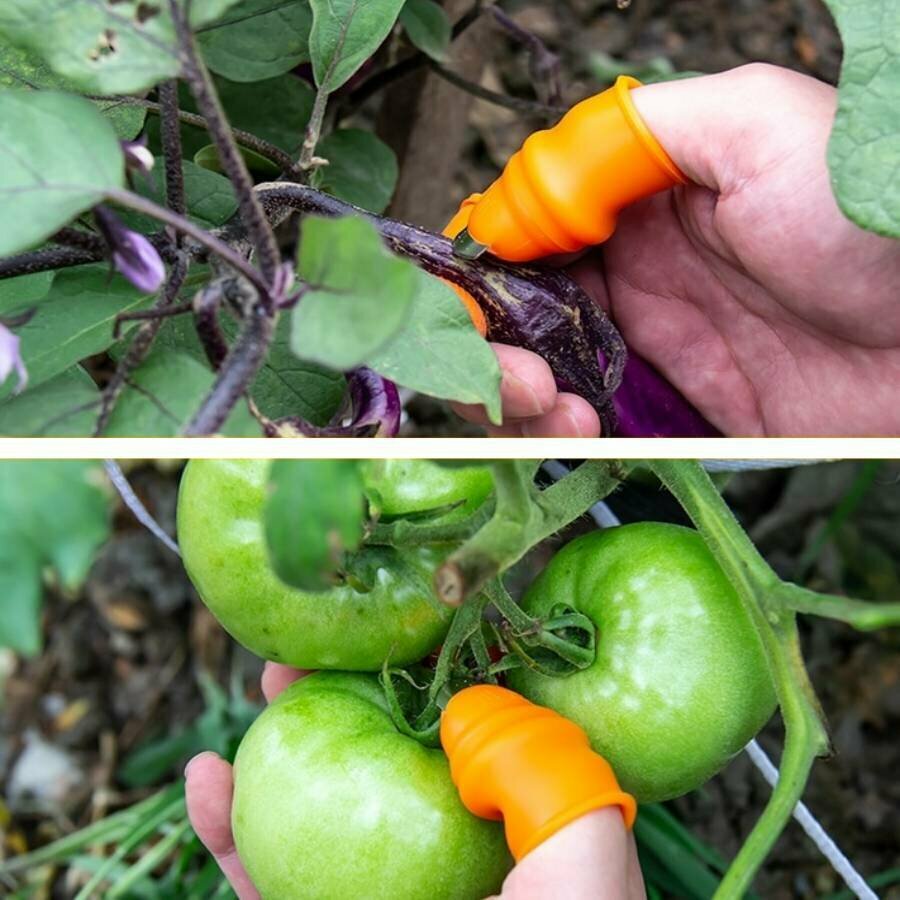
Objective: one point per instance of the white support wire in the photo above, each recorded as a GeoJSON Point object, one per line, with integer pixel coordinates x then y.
{"type": "Point", "coordinates": [130, 499]}
{"type": "Point", "coordinates": [606, 518]}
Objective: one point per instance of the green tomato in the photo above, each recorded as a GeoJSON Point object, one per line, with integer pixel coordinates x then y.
{"type": "Point", "coordinates": [680, 682]}
{"type": "Point", "coordinates": [332, 802]}
{"type": "Point", "coordinates": [388, 610]}
{"type": "Point", "coordinates": [407, 486]}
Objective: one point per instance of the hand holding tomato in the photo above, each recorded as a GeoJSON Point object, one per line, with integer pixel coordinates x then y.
{"type": "Point", "coordinates": [596, 852]}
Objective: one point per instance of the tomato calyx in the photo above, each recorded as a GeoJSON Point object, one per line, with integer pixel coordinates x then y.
{"type": "Point", "coordinates": [476, 651]}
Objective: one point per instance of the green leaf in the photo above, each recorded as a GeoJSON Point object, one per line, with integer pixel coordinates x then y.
{"type": "Point", "coordinates": [104, 48]}
{"type": "Point", "coordinates": [58, 157]}
{"type": "Point", "coordinates": [74, 321]}
{"type": "Point", "coordinates": [63, 406]}
{"type": "Point", "coordinates": [258, 39]}
{"type": "Point", "coordinates": [865, 142]}
{"type": "Point", "coordinates": [345, 33]}
{"type": "Point", "coordinates": [428, 27]}
{"type": "Point", "coordinates": [209, 197]}
{"type": "Point", "coordinates": [21, 69]}
{"type": "Point", "coordinates": [53, 513]}
{"type": "Point", "coordinates": [163, 396]}
{"type": "Point", "coordinates": [360, 293]}
{"type": "Point", "coordinates": [439, 352]}
{"type": "Point", "coordinates": [285, 385]}
{"type": "Point", "coordinates": [207, 158]}
{"type": "Point", "coordinates": [361, 168]}
{"type": "Point", "coordinates": [19, 293]}
{"type": "Point", "coordinates": [314, 514]}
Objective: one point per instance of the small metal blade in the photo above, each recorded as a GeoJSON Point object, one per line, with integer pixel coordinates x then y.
{"type": "Point", "coordinates": [466, 247]}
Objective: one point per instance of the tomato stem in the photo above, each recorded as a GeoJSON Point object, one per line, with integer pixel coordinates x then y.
{"type": "Point", "coordinates": [858, 613]}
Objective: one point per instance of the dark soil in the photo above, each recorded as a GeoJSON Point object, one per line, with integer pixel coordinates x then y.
{"type": "Point", "coordinates": [122, 662]}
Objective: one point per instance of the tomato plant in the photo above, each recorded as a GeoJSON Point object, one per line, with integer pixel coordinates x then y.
{"type": "Point", "coordinates": [680, 682]}
{"type": "Point", "coordinates": [382, 610]}
{"type": "Point", "coordinates": [331, 800]}
{"type": "Point", "coordinates": [173, 142]}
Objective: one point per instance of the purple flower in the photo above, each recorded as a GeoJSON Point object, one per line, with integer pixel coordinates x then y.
{"type": "Point", "coordinates": [132, 254]}
{"type": "Point", "coordinates": [137, 157]}
{"type": "Point", "coordinates": [375, 402]}
{"type": "Point", "coordinates": [11, 359]}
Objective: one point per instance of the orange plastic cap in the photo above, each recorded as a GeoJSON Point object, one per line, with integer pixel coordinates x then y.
{"type": "Point", "coordinates": [525, 764]}
{"type": "Point", "coordinates": [563, 189]}
{"type": "Point", "coordinates": [454, 227]}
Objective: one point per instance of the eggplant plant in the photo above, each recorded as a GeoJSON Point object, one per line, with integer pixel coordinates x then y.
{"type": "Point", "coordinates": [192, 238]}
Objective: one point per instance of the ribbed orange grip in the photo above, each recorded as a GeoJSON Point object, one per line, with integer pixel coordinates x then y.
{"type": "Point", "coordinates": [527, 765]}
{"type": "Point", "coordinates": [561, 192]}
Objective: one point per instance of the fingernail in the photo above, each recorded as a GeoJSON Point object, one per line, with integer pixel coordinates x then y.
{"type": "Point", "coordinates": [530, 404]}
{"type": "Point", "coordinates": [193, 759]}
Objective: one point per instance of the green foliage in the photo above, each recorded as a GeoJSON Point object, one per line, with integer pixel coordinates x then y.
{"type": "Point", "coordinates": [162, 396]}
{"type": "Point", "coordinates": [258, 39]}
{"type": "Point", "coordinates": [314, 515]}
{"type": "Point", "coordinates": [345, 33]}
{"type": "Point", "coordinates": [439, 352]}
{"type": "Point", "coordinates": [361, 168]}
{"type": "Point", "coordinates": [54, 514]}
{"type": "Point", "coordinates": [73, 321]}
{"type": "Point", "coordinates": [209, 197]}
{"type": "Point", "coordinates": [58, 157]}
{"type": "Point", "coordinates": [103, 48]}
{"type": "Point", "coordinates": [63, 406]}
{"type": "Point", "coordinates": [17, 294]}
{"type": "Point", "coordinates": [19, 68]}
{"type": "Point", "coordinates": [360, 293]}
{"type": "Point", "coordinates": [427, 26]}
{"type": "Point", "coordinates": [865, 141]}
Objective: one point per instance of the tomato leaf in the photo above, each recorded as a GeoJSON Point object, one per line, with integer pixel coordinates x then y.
{"type": "Point", "coordinates": [53, 513]}
{"type": "Point", "coordinates": [66, 405]}
{"type": "Point", "coordinates": [21, 69]}
{"type": "Point", "coordinates": [361, 168]}
{"type": "Point", "coordinates": [360, 293]}
{"type": "Point", "coordinates": [58, 157]}
{"type": "Point", "coordinates": [258, 39]}
{"type": "Point", "coordinates": [104, 48]}
{"type": "Point", "coordinates": [865, 141]}
{"type": "Point", "coordinates": [345, 33]}
{"type": "Point", "coordinates": [439, 352]}
{"type": "Point", "coordinates": [164, 394]}
{"type": "Point", "coordinates": [428, 27]}
{"type": "Point", "coordinates": [73, 321]}
{"type": "Point", "coordinates": [314, 514]}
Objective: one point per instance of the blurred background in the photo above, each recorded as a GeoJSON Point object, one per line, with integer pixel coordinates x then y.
{"type": "Point", "coordinates": [113, 674]}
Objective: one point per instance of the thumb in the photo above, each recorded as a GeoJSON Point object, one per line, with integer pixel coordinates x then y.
{"type": "Point", "coordinates": [722, 130]}
{"type": "Point", "coordinates": [592, 858]}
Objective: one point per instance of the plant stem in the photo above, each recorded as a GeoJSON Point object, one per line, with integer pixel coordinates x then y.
{"type": "Point", "coordinates": [517, 104]}
{"type": "Point", "coordinates": [406, 533]}
{"type": "Point", "coordinates": [197, 77]}
{"type": "Point", "coordinates": [313, 132]}
{"type": "Point", "coordinates": [236, 374]}
{"type": "Point", "coordinates": [186, 226]}
{"type": "Point", "coordinates": [171, 142]}
{"type": "Point", "coordinates": [244, 138]}
{"type": "Point", "coordinates": [522, 518]}
{"type": "Point", "coordinates": [858, 613]}
{"type": "Point", "coordinates": [758, 589]}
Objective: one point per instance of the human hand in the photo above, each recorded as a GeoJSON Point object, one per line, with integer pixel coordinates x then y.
{"type": "Point", "coordinates": [747, 289]}
{"type": "Point", "coordinates": [208, 788]}
{"type": "Point", "coordinates": [596, 850]}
